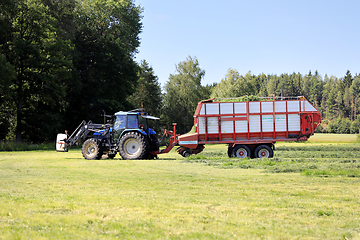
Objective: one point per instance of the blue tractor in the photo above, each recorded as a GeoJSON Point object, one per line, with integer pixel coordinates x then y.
{"type": "Point", "coordinates": [126, 132]}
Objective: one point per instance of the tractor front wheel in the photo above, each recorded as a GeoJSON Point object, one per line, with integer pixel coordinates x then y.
{"type": "Point", "coordinates": [133, 146]}
{"type": "Point", "coordinates": [91, 149]}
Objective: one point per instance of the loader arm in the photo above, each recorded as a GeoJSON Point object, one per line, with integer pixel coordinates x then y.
{"type": "Point", "coordinates": [78, 133]}
{"type": "Point", "coordinates": [82, 132]}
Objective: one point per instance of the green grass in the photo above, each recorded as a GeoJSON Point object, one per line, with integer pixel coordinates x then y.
{"type": "Point", "coordinates": [50, 195]}
{"type": "Point", "coordinates": [325, 159]}
{"type": "Point", "coordinates": [333, 138]}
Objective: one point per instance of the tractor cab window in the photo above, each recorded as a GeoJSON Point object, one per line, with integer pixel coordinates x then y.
{"type": "Point", "coordinates": [120, 122]}
{"type": "Point", "coordinates": [142, 122]}
{"type": "Point", "coordinates": [132, 121]}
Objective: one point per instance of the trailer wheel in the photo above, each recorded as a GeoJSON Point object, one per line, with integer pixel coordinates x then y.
{"type": "Point", "coordinates": [91, 149]}
{"type": "Point", "coordinates": [230, 151]}
{"type": "Point", "coordinates": [264, 151]}
{"type": "Point", "coordinates": [186, 153]}
{"type": "Point", "coordinates": [133, 146]}
{"type": "Point", "coordinates": [241, 151]}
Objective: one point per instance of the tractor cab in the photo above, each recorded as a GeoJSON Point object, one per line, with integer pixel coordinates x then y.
{"type": "Point", "coordinates": [135, 120]}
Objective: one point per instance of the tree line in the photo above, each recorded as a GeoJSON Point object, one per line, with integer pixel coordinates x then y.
{"type": "Point", "coordinates": [62, 62]}
{"type": "Point", "coordinates": [336, 98]}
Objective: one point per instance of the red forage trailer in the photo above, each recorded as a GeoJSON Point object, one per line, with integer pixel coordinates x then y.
{"type": "Point", "coordinates": [250, 128]}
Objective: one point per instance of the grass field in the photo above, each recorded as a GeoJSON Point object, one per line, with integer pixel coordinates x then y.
{"type": "Point", "coordinates": [307, 191]}
{"type": "Point", "coordinates": [334, 138]}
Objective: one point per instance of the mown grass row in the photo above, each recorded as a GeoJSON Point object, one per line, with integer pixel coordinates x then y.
{"type": "Point", "coordinates": [307, 159]}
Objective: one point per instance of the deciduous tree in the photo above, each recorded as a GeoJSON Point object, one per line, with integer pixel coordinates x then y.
{"type": "Point", "coordinates": [106, 40]}
{"type": "Point", "coordinates": [40, 64]}
{"type": "Point", "coordinates": [7, 76]}
{"type": "Point", "coordinates": [183, 91]}
{"type": "Point", "coordinates": [234, 85]}
{"type": "Point", "coordinates": [355, 92]}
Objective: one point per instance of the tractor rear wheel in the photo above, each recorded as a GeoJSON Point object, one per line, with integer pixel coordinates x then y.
{"type": "Point", "coordinates": [133, 146]}
{"type": "Point", "coordinates": [91, 149]}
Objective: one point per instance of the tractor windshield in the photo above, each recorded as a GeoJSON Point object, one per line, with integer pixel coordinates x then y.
{"type": "Point", "coordinates": [132, 121]}
{"type": "Point", "coordinates": [120, 122]}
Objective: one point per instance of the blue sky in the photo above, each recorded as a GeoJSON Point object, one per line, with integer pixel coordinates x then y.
{"type": "Point", "coordinates": [271, 37]}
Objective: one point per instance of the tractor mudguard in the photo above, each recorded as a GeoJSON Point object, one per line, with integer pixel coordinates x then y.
{"type": "Point", "coordinates": [101, 132]}
{"type": "Point", "coordinates": [151, 131]}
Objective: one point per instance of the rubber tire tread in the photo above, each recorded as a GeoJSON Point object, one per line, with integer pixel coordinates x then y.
{"type": "Point", "coordinates": [241, 146]}
{"type": "Point", "coordinates": [271, 152]}
{"type": "Point", "coordinates": [99, 151]}
{"type": "Point", "coordinates": [153, 143]}
{"type": "Point", "coordinates": [144, 146]}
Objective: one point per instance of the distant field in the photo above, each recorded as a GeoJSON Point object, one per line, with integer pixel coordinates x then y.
{"type": "Point", "coordinates": [307, 191]}
{"type": "Point", "coordinates": [329, 137]}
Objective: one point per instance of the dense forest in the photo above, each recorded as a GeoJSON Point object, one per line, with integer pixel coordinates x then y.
{"type": "Point", "coordinates": [62, 62]}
